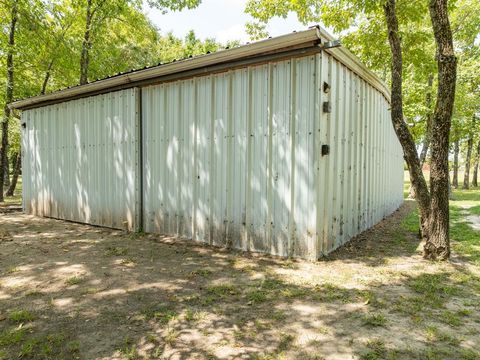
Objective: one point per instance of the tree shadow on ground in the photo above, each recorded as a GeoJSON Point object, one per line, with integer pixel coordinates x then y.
{"type": "Point", "coordinates": [95, 293]}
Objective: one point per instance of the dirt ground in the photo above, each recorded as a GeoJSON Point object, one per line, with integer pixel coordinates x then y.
{"type": "Point", "coordinates": [72, 291]}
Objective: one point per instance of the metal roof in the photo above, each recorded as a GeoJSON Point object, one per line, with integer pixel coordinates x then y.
{"type": "Point", "coordinates": [313, 37]}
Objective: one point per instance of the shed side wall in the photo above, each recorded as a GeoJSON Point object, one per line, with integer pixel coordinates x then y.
{"type": "Point", "coordinates": [365, 168]}
{"type": "Point", "coordinates": [80, 160]}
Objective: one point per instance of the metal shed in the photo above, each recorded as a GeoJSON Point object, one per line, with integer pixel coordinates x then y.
{"type": "Point", "coordinates": [283, 146]}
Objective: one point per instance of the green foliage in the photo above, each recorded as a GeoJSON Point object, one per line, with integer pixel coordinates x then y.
{"type": "Point", "coordinates": [49, 37]}
{"type": "Point", "coordinates": [362, 26]}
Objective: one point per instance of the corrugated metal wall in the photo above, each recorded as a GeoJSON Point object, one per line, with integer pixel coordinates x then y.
{"type": "Point", "coordinates": [230, 159]}
{"type": "Point", "coordinates": [235, 159]}
{"type": "Point", "coordinates": [81, 160]}
{"type": "Point", "coordinates": [365, 167]}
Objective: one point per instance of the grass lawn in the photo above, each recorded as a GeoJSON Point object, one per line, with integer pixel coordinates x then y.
{"type": "Point", "coordinates": [16, 199]}
{"type": "Point", "coordinates": [71, 291]}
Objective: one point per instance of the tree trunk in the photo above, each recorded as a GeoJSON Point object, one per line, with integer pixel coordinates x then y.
{"type": "Point", "coordinates": [468, 159]}
{"type": "Point", "coordinates": [8, 95]}
{"type": "Point", "coordinates": [47, 77]}
{"type": "Point", "coordinates": [433, 204]}
{"type": "Point", "coordinates": [85, 55]}
{"type": "Point", "coordinates": [437, 245]}
{"type": "Point", "coordinates": [456, 151]}
{"type": "Point", "coordinates": [475, 166]}
{"type": "Point", "coordinates": [6, 173]}
{"type": "Point", "coordinates": [16, 173]}
{"type": "Point", "coordinates": [401, 129]}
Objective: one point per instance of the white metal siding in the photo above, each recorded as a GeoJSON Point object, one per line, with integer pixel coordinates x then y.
{"type": "Point", "coordinates": [233, 159]}
{"type": "Point", "coordinates": [229, 159]}
{"type": "Point", "coordinates": [80, 160]}
{"type": "Point", "coordinates": [249, 154]}
{"type": "Point", "coordinates": [364, 171]}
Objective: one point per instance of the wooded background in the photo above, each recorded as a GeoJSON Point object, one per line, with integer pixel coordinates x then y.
{"type": "Point", "coordinates": [57, 44]}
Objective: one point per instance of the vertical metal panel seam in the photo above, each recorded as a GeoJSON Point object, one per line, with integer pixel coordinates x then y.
{"type": "Point", "coordinates": [270, 178]}
{"type": "Point", "coordinates": [139, 144]}
{"type": "Point", "coordinates": [293, 115]}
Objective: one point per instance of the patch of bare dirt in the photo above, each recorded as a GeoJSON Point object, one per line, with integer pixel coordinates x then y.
{"type": "Point", "coordinates": [95, 293]}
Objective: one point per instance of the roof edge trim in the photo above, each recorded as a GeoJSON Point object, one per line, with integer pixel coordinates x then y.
{"type": "Point", "coordinates": [218, 57]}
{"type": "Point", "coordinates": [315, 34]}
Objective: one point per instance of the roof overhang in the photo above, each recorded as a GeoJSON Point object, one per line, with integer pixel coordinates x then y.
{"type": "Point", "coordinates": [313, 38]}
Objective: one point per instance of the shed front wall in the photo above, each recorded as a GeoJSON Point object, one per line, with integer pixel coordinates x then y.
{"type": "Point", "coordinates": [81, 160]}
{"type": "Point", "coordinates": [234, 159]}
{"type": "Point", "coordinates": [229, 159]}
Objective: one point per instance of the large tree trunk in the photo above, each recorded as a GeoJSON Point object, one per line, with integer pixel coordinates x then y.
{"type": "Point", "coordinates": [438, 240]}
{"type": "Point", "coordinates": [475, 166]}
{"type": "Point", "coordinates": [433, 204]}
{"type": "Point", "coordinates": [468, 159]}
{"type": "Point", "coordinates": [8, 95]}
{"type": "Point", "coordinates": [456, 151]}
{"type": "Point", "coordinates": [16, 173]}
{"type": "Point", "coordinates": [85, 55]}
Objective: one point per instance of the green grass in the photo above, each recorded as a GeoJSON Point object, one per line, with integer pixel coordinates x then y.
{"type": "Point", "coordinates": [434, 335]}
{"type": "Point", "coordinates": [465, 240]}
{"type": "Point", "coordinates": [475, 210]}
{"type": "Point", "coordinates": [26, 345]}
{"type": "Point", "coordinates": [160, 313]}
{"type": "Point", "coordinates": [451, 318]}
{"type": "Point", "coordinates": [193, 316]}
{"type": "Point", "coordinates": [129, 349]}
{"type": "Point", "coordinates": [431, 286]}
{"type": "Point", "coordinates": [74, 280]}
{"type": "Point", "coordinates": [201, 273]}
{"type": "Point", "coordinates": [472, 195]}
{"type": "Point", "coordinates": [12, 336]}
{"type": "Point", "coordinates": [432, 291]}
{"type": "Point", "coordinates": [375, 350]}
{"type": "Point", "coordinates": [286, 342]}
{"type": "Point", "coordinates": [20, 316]}
{"type": "Point", "coordinates": [469, 354]}
{"type": "Point", "coordinates": [116, 251]}
{"type": "Point", "coordinates": [411, 223]}
{"type": "Point", "coordinates": [257, 296]}
{"type": "Point", "coordinates": [374, 320]}
{"type": "Point", "coordinates": [171, 335]}
{"type": "Point", "coordinates": [16, 199]}
{"type": "Point", "coordinates": [222, 290]}
{"type": "Point", "coordinates": [277, 315]}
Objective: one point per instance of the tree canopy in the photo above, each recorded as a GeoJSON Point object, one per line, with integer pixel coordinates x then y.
{"type": "Point", "coordinates": [361, 26]}
{"type": "Point", "coordinates": [49, 37]}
